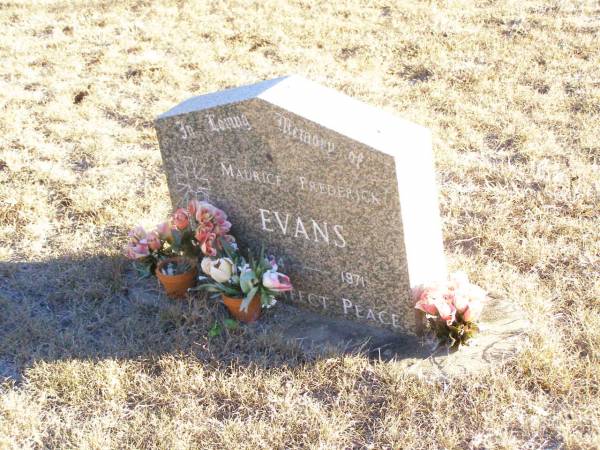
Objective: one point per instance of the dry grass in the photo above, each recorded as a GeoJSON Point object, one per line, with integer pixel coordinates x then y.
{"type": "Point", "coordinates": [512, 92]}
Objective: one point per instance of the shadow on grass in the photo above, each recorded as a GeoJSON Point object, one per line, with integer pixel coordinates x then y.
{"type": "Point", "coordinates": [96, 308]}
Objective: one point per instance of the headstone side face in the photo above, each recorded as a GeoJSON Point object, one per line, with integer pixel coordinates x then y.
{"type": "Point", "coordinates": [326, 205]}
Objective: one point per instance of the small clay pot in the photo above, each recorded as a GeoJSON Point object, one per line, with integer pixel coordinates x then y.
{"type": "Point", "coordinates": [176, 286]}
{"type": "Point", "coordinates": [251, 315]}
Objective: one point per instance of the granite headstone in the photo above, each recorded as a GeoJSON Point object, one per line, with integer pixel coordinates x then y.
{"type": "Point", "coordinates": [342, 192]}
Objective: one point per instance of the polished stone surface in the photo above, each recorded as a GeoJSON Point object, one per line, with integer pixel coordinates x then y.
{"type": "Point", "coordinates": [342, 192]}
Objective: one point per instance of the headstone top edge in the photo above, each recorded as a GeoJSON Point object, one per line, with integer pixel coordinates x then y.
{"type": "Point", "coordinates": [220, 98]}
{"type": "Point", "coordinates": [312, 91]}
{"type": "Point", "coordinates": [308, 99]}
{"type": "Point", "coordinates": [343, 114]}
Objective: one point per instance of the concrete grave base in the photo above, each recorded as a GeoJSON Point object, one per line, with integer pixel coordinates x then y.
{"type": "Point", "coordinates": [502, 336]}
{"type": "Point", "coordinates": [503, 332]}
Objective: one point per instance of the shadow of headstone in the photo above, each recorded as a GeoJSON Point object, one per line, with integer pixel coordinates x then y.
{"type": "Point", "coordinates": [315, 333]}
{"type": "Point", "coordinates": [98, 308]}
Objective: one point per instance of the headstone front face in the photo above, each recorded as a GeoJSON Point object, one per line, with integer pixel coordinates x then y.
{"type": "Point", "coordinates": [344, 194]}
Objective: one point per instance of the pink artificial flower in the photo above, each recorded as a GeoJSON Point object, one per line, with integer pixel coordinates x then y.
{"type": "Point", "coordinates": [154, 241]}
{"type": "Point", "coordinates": [272, 262]}
{"type": "Point", "coordinates": [445, 301]}
{"type": "Point", "coordinates": [458, 280]}
{"type": "Point", "coordinates": [137, 251]}
{"type": "Point", "coordinates": [193, 207]}
{"type": "Point", "coordinates": [212, 227]}
{"type": "Point", "coordinates": [219, 214]}
{"type": "Point", "coordinates": [181, 219]}
{"type": "Point", "coordinates": [445, 310]}
{"type": "Point", "coordinates": [450, 296]}
{"type": "Point", "coordinates": [276, 281]}
{"type": "Point", "coordinates": [137, 234]}
{"type": "Point", "coordinates": [222, 227]}
{"type": "Point", "coordinates": [204, 212]}
{"type": "Point", "coordinates": [474, 310]}
{"type": "Point", "coordinates": [208, 245]}
{"type": "Point", "coordinates": [427, 298]}
{"type": "Point", "coordinates": [461, 302]}
{"type": "Point", "coordinates": [466, 297]}
{"type": "Point", "coordinates": [469, 300]}
{"type": "Point", "coordinates": [164, 231]}
{"type": "Point", "coordinates": [203, 230]}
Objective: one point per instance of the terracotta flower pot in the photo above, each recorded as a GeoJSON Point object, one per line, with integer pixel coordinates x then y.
{"type": "Point", "coordinates": [176, 286]}
{"type": "Point", "coordinates": [233, 305]}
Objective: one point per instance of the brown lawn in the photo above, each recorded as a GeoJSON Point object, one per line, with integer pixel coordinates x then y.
{"type": "Point", "coordinates": [511, 90]}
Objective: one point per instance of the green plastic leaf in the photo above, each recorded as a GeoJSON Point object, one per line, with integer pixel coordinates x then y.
{"type": "Point", "coordinates": [247, 299]}
{"type": "Point", "coordinates": [144, 270]}
{"type": "Point", "coordinates": [281, 265]}
{"type": "Point", "coordinates": [263, 264]}
{"type": "Point", "coordinates": [228, 249]}
{"type": "Point", "coordinates": [452, 340]}
{"type": "Point", "coordinates": [247, 281]}
{"type": "Point", "coordinates": [227, 289]}
{"type": "Point", "coordinates": [215, 330]}
{"type": "Point", "coordinates": [208, 287]}
{"type": "Point", "coordinates": [177, 237]}
{"type": "Point", "coordinates": [265, 298]}
{"type": "Point", "coordinates": [231, 324]}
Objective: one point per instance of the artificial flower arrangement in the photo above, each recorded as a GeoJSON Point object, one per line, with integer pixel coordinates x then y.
{"type": "Point", "coordinates": [172, 250]}
{"type": "Point", "coordinates": [246, 284]}
{"type": "Point", "coordinates": [146, 249]}
{"type": "Point", "coordinates": [452, 309]}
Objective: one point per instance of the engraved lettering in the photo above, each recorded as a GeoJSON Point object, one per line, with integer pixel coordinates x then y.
{"type": "Point", "coordinates": [358, 309]}
{"type": "Point", "coordinates": [371, 315]}
{"type": "Point", "coordinates": [347, 304]}
{"type": "Point", "coordinates": [211, 123]}
{"type": "Point", "coordinates": [283, 226]}
{"type": "Point", "coordinates": [182, 130]}
{"type": "Point", "coordinates": [287, 128]}
{"type": "Point", "coordinates": [244, 174]}
{"type": "Point", "coordinates": [300, 229]}
{"type": "Point", "coordinates": [245, 122]}
{"type": "Point", "coordinates": [316, 300]}
{"type": "Point", "coordinates": [318, 230]}
{"type": "Point", "coordinates": [227, 171]}
{"type": "Point", "coordinates": [337, 229]}
{"type": "Point", "coordinates": [302, 181]}
{"type": "Point", "coordinates": [339, 191]}
{"type": "Point", "coordinates": [324, 301]}
{"type": "Point", "coordinates": [381, 319]}
{"type": "Point", "coordinates": [264, 219]}
{"type": "Point", "coordinates": [226, 123]}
